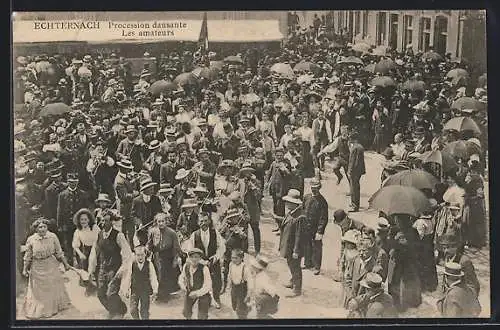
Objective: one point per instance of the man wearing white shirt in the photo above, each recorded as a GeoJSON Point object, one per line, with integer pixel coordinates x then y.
{"type": "Point", "coordinates": [108, 255]}
{"type": "Point", "coordinates": [140, 284]}
{"type": "Point", "coordinates": [209, 241]}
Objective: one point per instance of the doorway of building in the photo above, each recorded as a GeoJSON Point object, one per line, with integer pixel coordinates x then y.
{"type": "Point", "coordinates": [393, 33]}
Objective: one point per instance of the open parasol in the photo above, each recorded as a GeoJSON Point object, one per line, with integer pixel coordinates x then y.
{"type": "Point", "coordinates": [431, 56]}
{"type": "Point", "coordinates": [161, 86]}
{"type": "Point", "coordinates": [383, 81]}
{"type": "Point", "coordinates": [443, 158]}
{"type": "Point", "coordinates": [462, 149]}
{"type": "Point", "coordinates": [385, 65]}
{"type": "Point", "coordinates": [399, 199]}
{"type": "Point", "coordinates": [234, 59]}
{"type": "Point", "coordinates": [361, 47]}
{"type": "Point", "coordinates": [351, 60]}
{"type": "Point", "coordinates": [306, 67]}
{"type": "Point", "coordinates": [305, 79]}
{"type": "Point", "coordinates": [413, 85]}
{"type": "Point", "coordinates": [380, 51]}
{"type": "Point", "coordinates": [217, 64]}
{"type": "Point", "coordinates": [462, 124]}
{"type": "Point", "coordinates": [416, 178]}
{"type": "Point", "coordinates": [457, 73]}
{"type": "Point", "coordinates": [284, 70]}
{"type": "Point", "coordinates": [467, 104]}
{"type": "Point", "coordinates": [205, 72]}
{"type": "Point", "coordinates": [55, 109]}
{"type": "Point", "coordinates": [186, 78]}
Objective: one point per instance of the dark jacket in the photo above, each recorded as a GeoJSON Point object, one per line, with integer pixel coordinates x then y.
{"type": "Point", "coordinates": [356, 160]}
{"type": "Point", "coordinates": [68, 203]}
{"type": "Point", "coordinates": [316, 213]}
{"type": "Point", "coordinates": [290, 238]}
{"type": "Point", "coordinates": [459, 301]}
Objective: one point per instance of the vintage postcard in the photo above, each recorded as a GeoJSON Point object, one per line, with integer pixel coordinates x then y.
{"type": "Point", "coordinates": [251, 165]}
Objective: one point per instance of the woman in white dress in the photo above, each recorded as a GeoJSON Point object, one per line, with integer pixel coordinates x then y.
{"type": "Point", "coordinates": [306, 135]}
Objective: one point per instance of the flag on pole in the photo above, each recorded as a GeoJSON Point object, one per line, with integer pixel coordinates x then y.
{"type": "Point", "coordinates": [203, 39]}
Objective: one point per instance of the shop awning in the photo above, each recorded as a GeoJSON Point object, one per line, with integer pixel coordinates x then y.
{"type": "Point", "coordinates": [244, 31]}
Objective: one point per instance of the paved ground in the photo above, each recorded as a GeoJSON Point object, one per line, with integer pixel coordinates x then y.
{"type": "Point", "coordinates": [321, 294]}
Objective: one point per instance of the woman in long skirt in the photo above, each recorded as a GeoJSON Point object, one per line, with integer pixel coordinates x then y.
{"type": "Point", "coordinates": [46, 295]}
{"type": "Point", "coordinates": [306, 134]}
{"type": "Point", "coordinates": [85, 236]}
{"type": "Point", "coordinates": [474, 214]}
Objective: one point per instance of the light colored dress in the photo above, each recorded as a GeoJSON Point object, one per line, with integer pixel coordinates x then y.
{"type": "Point", "coordinates": [46, 295]}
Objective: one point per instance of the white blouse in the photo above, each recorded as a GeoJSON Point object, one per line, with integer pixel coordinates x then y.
{"type": "Point", "coordinates": [86, 237]}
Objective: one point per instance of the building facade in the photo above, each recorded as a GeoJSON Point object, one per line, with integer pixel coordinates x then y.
{"type": "Point", "coordinates": [459, 32]}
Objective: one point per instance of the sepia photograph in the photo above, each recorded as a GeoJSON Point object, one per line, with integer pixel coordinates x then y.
{"type": "Point", "coordinates": [216, 165]}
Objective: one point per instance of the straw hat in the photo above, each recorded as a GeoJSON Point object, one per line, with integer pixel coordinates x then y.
{"type": "Point", "coordinates": [103, 198]}
{"type": "Point", "coordinates": [293, 196]}
{"type": "Point", "coordinates": [147, 183]}
{"type": "Point", "coordinates": [351, 236]}
{"type": "Point", "coordinates": [194, 250]}
{"type": "Point", "coordinates": [72, 177]}
{"type": "Point", "coordinates": [181, 174]}
{"type": "Point", "coordinates": [383, 224]}
{"type": "Point", "coordinates": [125, 163]}
{"type": "Point", "coordinates": [130, 128]}
{"type": "Point", "coordinates": [200, 188]}
{"type": "Point", "coordinates": [165, 188]}
{"type": "Point", "coordinates": [189, 203]}
{"type": "Point", "coordinates": [247, 169]}
{"type": "Point", "coordinates": [153, 145]}
{"type": "Point", "coordinates": [315, 183]}
{"type": "Point", "coordinates": [453, 269]}
{"type": "Point", "coordinates": [203, 151]}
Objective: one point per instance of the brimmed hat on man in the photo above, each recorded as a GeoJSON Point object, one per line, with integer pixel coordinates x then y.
{"type": "Point", "coordinates": [196, 251]}
{"type": "Point", "coordinates": [181, 174]}
{"type": "Point", "coordinates": [125, 163]}
{"type": "Point", "coordinates": [453, 269]}
{"type": "Point", "coordinates": [72, 177]}
{"type": "Point", "coordinates": [130, 129]}
{"type": "Point", "coordinates": [153, 145]}
{"type": "Point", "coordinates": [203, 151]}
{"type": "Point", "coordinates": [189, 203]}
{"type": "Point", "coordinates": [351, 236]}
{"type": "Point", "coordinates": [165, 188]}
{"type": "Point", "coordinates": [147, 183]}
{"type": "Point", "coordinates": [293, 197]}
{"type": "Point", "coordinates": [315, 184]}
{"type": "Point", "coordinates": [246, 169]}
{"type": "Point", "coordinates": [103, 198]}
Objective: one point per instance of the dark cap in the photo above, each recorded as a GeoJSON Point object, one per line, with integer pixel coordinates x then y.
{"type": "Point", "coordinates": [339, 215]}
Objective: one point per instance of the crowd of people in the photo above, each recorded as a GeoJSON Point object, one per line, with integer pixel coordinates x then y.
{"type": "Point", "coordinates": [149, 187]}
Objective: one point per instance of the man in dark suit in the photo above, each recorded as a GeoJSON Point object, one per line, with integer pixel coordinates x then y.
{"type": "Point", "coordinates": [459, 300]}
{"type": "Point", "coordinates": [144, 208]}
{"type": "Point", "coordinates": [370, 259]}
{"type": "Point", "coordinates": [69, 201]}
{"type": "Point", "coordinates": [125, 193]}
{"type": "Point", "coordinates": [51, 194]}
{"type": "Point", "coordinates": [290, 239]}
{"type": "Point", "coordinates": [229, 146]}
{"type": "Point", "coordinates": [322, 136]}
{"type": "Point", "coordinates": [356, 169]}
{"type": "Point", "coordinates": [316, 213]}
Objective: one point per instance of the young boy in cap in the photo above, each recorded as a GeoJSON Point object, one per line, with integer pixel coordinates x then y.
{"type": "Point", "coordinates": [264, 293]}
{"type": "Point", "coordinates": [140, 284]}
{"type": "Point", "coordinates": [239, 278]}
{"type": "Point", "coordinates": [195, 279]}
